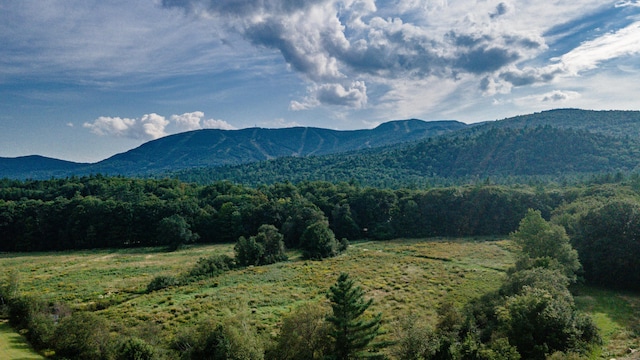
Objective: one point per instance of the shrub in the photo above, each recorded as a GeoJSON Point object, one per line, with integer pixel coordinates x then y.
{"type": "Point", "coordinates": [135, 349]}
{"type": "Point", "coordinates": [304, 335]}
{"type": "Point", "coordinates": [248, 251]}
{"type": "Point", "coordinates": [83, 336]}
{"type": "Point", "coordinates": [318, 242]}
{"type": "Point", "coordinates": [267, 247]}
{"type": "Point", "coordinates": [233, 339]}
{"type": "Point", "coordinates": [211, 266]}
{"type": "Point", "coordinates": [161, 282]}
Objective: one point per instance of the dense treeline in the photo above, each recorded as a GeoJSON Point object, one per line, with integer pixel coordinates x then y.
{"type": "Point", "coordinates": [103, 212]}
{"type": "Point", "coordinates": [506, 155]}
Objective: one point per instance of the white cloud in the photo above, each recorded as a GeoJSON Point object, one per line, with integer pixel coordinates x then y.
{"type": "Point", "coordinates": [587, 56]}
{"type": "Point", "coordinates": [352, 96]}
{"type": "Point", "coordinates": [558, 96]}
{"type": "Point", "coordinates": [188, 121]}
{"type": "Point", "coordinates": [196, 121]}
{"type": "Point", "coordinates": [153, 126]}
{"type": "Point", "coordinates": [148, 127]}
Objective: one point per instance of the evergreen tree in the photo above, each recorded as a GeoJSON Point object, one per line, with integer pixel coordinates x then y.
{"type": "Point", "coordinates": [351, 333]}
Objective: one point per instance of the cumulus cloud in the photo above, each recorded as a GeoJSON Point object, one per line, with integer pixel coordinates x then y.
{"type": "Point", "coordinates": [328, 41]}
{"type": "Point", "coordinates": [196, 121]}
{"type": "Point", "coordinates": [353, 96]}
{"type": "Point", "coordinates": [152, 126]}
{"type": "Point", "coordinates": [559, 96]}
{"type": "Point", "coordinates": [148, 127]}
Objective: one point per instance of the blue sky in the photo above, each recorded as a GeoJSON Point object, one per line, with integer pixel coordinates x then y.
{"type": "Point", "coordinates": [82, 80]}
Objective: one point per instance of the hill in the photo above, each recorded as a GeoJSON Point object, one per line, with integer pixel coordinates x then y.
{"type": "Point", "coordinates": [35, 166]}
{"type": "Point", "coordinates": [210, 148]}
{"type": "Point", "coordinates": [499, 153]}
{"type": "Point", "coordinates": [563, 142]}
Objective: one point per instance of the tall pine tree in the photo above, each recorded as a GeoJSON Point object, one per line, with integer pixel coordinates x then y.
{"type": "Point", "coordinates": [351, 333]}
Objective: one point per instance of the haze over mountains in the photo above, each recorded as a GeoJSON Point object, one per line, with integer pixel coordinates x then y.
{"type": "Point", "coordinates": [565, 141]}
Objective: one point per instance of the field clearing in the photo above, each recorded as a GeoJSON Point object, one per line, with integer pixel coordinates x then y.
{"type": "Point", "coordinates": [14, 346]}
{"type": "Point", "coordinates": [406, 279]}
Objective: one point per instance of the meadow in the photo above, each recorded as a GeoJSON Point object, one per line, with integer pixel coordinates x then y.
{"type": "Point", "coordinates": [407, 279]}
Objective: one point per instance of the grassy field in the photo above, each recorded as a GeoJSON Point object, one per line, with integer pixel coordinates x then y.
{"type": "Point", "coordinates": [14, 346]}
{"type": "Point", "coordinates": [406, 278]}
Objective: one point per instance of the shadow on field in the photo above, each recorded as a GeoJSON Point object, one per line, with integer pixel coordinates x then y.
{"type": "Point", "coordinates": [13, 346]}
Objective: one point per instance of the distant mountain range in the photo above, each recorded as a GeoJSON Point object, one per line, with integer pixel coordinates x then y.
{"type": "Point", "coordinates": [211, 148]}
{"type": "Point", "coordinates": [556, 142]}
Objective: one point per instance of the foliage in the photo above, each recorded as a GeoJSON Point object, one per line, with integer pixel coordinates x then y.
{"type": "Point", "coordinates": [234, 339]}
{"type": "Point", "coordinates": [267, 247]}
{"type": "Point", "coordinates": [175, 232]}
{"type": "Point", "coordinates": [607, 238]}
{"type": "Point", "coordinates": [211, 266]}
{"type": "Point", "coordinates": [318, 242]}
{"type": "Point", "coordinates": [417, 340]}
{"type": "Point", "coordinates": [539, 324]}
{"type": "Point", "coordinates": [162, 282]}
{"type": "Point", "coordinates": [83, 335]}
{"type": "Point", "coordinates": [545, 244]}
{"type": "Point", "coordinates": [304, 335]}
{"type": "Point", "coordinates": [351, 333]}
{"type": "Point", "coordinates": [135, 349]}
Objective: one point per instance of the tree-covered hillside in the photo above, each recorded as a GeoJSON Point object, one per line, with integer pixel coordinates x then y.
{"type": "Point", "coordinates": [212, 147]}
{"type": "Point", "coordinates": [497, 153]}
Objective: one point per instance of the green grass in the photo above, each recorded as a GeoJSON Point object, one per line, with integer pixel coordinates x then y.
{"type": "Point", "coordinates": [406, 278]}
{"type": "Point", "coordinates": [13, 346]}
{"type": "Point", "coordinates": [617, 315]}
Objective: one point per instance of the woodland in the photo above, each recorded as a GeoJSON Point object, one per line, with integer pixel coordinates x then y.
{"type": "Point", "coordinates": [563, 235]}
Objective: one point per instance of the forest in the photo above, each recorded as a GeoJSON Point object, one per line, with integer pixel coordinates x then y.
{"type": "Point", "coordinates": [503, 154]}
{"type": "Point", "coordinates": [600, 217]}
{"type": "Point", "coordinates": [565, 234]}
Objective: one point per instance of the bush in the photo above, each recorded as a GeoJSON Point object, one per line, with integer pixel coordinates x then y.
{"type": "Point", "coordinates": [248, 251]}
{"type": "Point", "coordinates": [318, 242]}
{"type": "Point", "coordinates": [234, 339]}
{"type": "Point", "coordinates": [135, 349]}
{"type": "Point", "coordinates": [83, 336]}
{"type": "Point", "coordinates": [304, 335]}
{"type": "Point", "coordinates": [161, 282]}
{"type": "Point", "coordinates": [267, 247]}
{"type": "Point", "coordinates": [211, 266]}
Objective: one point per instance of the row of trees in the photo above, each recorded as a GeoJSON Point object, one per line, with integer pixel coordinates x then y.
{"type": "Point", "coordinates": [98, 212]}
{"type": "Point", "coordinates": [101, 212]}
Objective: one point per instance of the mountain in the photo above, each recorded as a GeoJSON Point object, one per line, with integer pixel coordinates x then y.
{"type": "Point", "coordinates": [210, 148]}
{"type": "Point", "coordinates": [616, 123]}
{"type": "Point", "coordinates": [497, 152]}
{"type": "Point", "coordinates": [562, 142]}
{"type": "Point", "coordinates": [37, 167]}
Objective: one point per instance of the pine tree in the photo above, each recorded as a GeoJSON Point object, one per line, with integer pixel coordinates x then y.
{"type": "Point", "coordinates": [351, 333]}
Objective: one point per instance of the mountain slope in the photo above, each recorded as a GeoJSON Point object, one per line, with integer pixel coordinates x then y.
{"type": "Point", "coordinates": [210, 148]}
{"type": "Point", "coordinates": [36, 167]}
{"type": "Point", "coordinates": [616, 123]}
{"type": "Point", "coordinates": [222, 147]}
{"type": "Point", "coordinates": [497, 152]}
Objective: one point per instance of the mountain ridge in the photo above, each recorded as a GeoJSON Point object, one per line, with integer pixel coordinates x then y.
{"type": "Point", "coordinates": [214, 147]}
{"type": "Point", "coordinates": [604, 133]}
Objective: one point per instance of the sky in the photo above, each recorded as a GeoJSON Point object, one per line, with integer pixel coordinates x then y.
{"type": "Point", "coordinates": [82, 80]}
